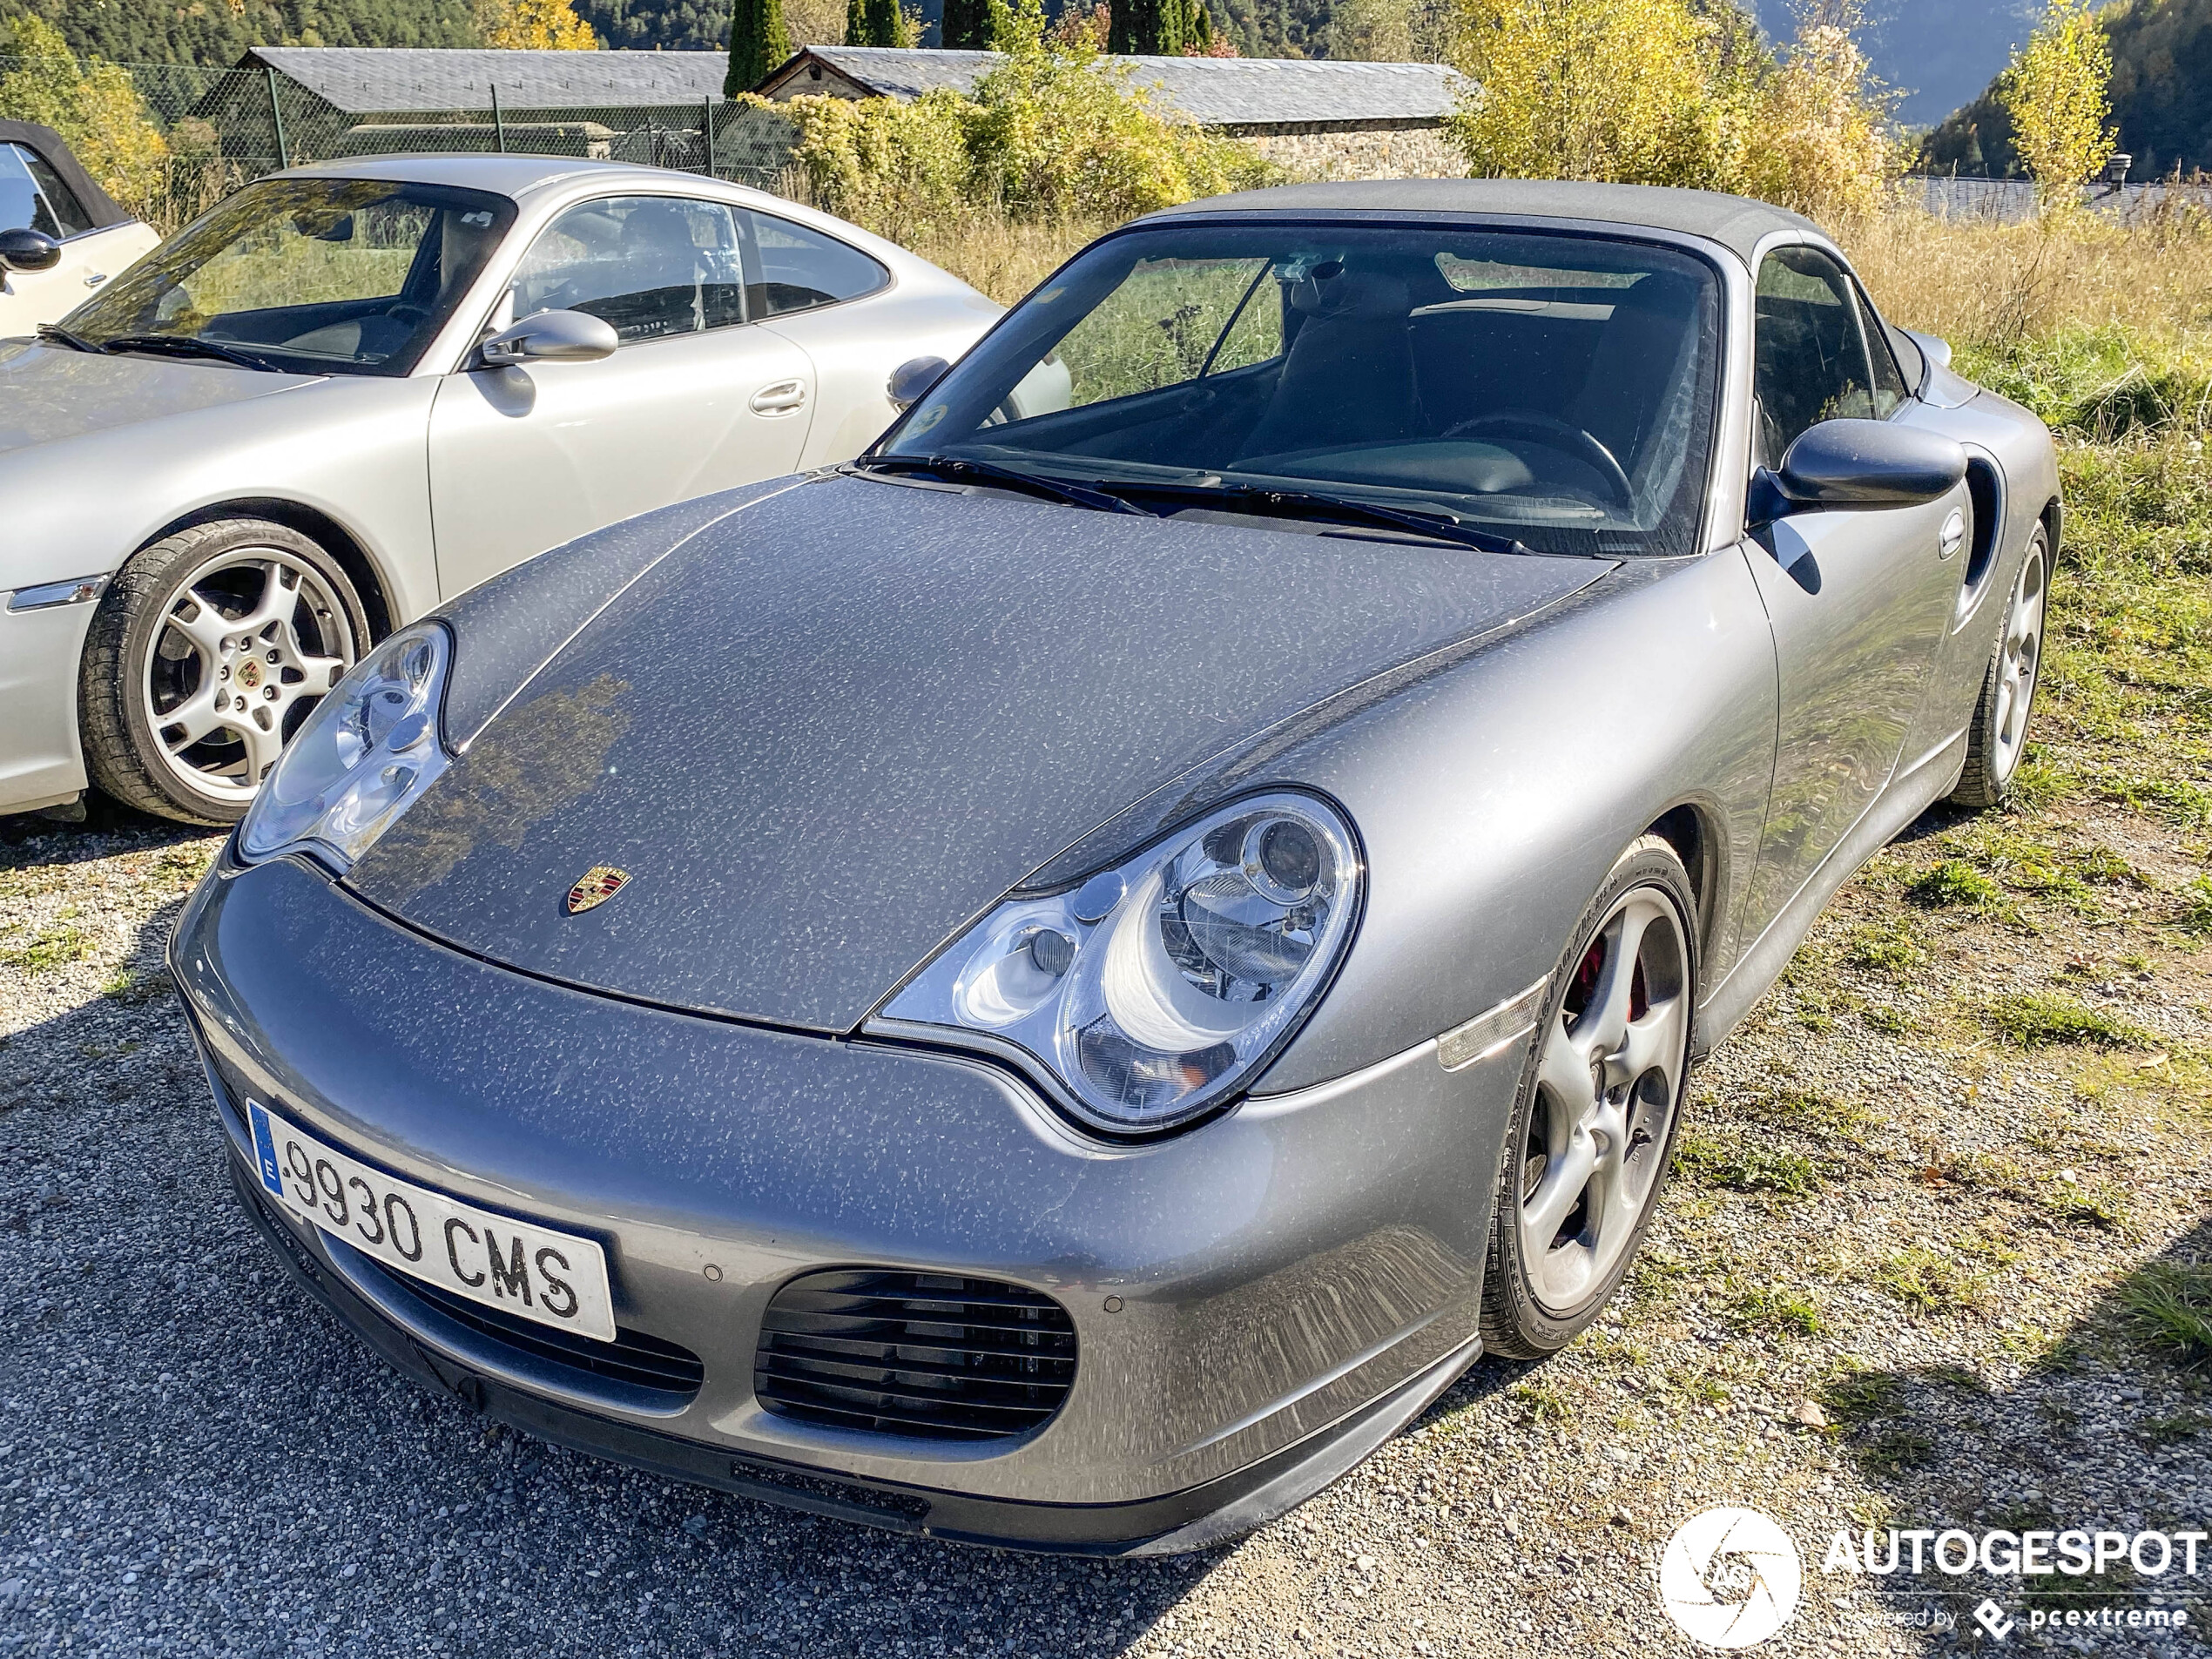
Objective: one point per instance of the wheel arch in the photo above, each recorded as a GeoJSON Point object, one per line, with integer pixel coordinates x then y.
{"type": "Point", "coordinates": [1687, 827]}
{"type": "Point", "coordinates": [352, 556]}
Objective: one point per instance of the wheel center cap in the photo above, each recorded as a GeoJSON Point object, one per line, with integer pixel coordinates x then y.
{"type": "Point", "coordinates": [249, 674]}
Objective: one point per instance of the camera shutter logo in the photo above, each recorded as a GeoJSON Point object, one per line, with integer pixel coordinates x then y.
{"type": "Point", "coordinates": [1729, 1578]}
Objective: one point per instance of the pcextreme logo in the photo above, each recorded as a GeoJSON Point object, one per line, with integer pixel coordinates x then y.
{"type": "Point", "coordinates": [1729, 1578]}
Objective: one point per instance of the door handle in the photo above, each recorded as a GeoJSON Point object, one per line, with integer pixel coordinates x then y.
{"type": "Point", "coordinates": [780, 399]}
{"type": "Point", "coordinates": [1952, 536]}
{"type": "Point", "coordinates": [96, 279]}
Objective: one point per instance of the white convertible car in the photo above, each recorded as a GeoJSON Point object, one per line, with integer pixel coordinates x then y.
{"type": "Point", "coordinates": [60, 233]}
{"type": "Point", "coordinates": [353, 390]}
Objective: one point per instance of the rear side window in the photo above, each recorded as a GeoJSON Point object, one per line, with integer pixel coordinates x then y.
{"type": "Point", "coordinates": [652, 266]}
{"type": "Point", "coordinates": [32, 197]}
{"type": "Point", "coordinates": [1811, 362]}
{"type": "Point", "coordinates": [794, 268]}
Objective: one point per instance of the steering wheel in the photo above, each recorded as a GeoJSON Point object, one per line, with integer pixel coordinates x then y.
{"type": "Point", "coordinates": [1554, 434]}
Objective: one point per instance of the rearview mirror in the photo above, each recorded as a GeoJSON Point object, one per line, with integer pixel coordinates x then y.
{"type": "Point", "coordinates": [1857, 464]}
{"type": "Point", "coordinates": [911, 378]}
{"type": "Point", "coordinates": [29, 251]}
{"type": "Point", "coordinates": [553, 337]}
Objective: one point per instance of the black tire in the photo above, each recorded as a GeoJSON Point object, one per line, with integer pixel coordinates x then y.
{"type": "Point", "coordinates": [1515, 1323]}
{"type": "Point", "coordinates": [123, 749]}
{"type": "Point", "coordinates": [1992, 762]}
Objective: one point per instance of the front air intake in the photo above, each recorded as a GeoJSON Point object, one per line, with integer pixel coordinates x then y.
{"type": "Point", "coordinates": [928, 1354]}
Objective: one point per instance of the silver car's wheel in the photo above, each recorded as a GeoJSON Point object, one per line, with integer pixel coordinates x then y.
{"type": "Point", "coordinates": [209, 650]}
{"type": "Point", "coordinates": [1599, 1109]}
{"type": "Point", "coordinates": [1998, 738]}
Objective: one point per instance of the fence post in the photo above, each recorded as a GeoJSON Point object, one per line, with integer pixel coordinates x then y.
{"type": "Point", "coordinates": [706, 130]}
{"type": "Point", "coordinates": [652, 141]}
{"type": "Point", "coordinates": [276, 119]}
{"type": "Point", "coordinates": [498, 120]}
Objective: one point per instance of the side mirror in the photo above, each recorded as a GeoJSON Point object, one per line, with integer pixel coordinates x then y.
{"type": "Point", "coordinates": [913, 378]}
{"type": "Point", "coordinates": [552, 337]}
{"type": "Point", "coordinates": [28, 250]}
{"type": "Point", "coordinates": [1857, 464]}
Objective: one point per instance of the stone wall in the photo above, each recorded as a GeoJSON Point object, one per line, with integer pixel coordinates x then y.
{"type": "Point", "coordinates": [1337, 153]}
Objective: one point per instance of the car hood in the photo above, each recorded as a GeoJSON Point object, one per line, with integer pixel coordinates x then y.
{"type": "Point", "coordinates": [830, 729]}
{"type": "Point", "coordinates": [50, 393]}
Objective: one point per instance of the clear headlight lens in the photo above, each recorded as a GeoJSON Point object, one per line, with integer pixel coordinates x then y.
{"type": "Point", "coordinates": [1158, 988]}
{"type": "Point", "coordinates": [365, 754]}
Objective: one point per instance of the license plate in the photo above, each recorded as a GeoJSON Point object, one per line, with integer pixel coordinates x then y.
{"type": "Point", "coordinates": [532, 1272]}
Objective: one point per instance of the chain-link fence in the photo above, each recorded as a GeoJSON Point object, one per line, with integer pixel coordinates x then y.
{"type": "Point", "coordinates": [223, 126]}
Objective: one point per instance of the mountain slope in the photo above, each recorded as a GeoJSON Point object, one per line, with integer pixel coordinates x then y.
{"type": "Point", "coordinates": [160, 31]}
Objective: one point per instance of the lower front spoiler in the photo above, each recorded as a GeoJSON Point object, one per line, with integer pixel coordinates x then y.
{"type": "Point", "coordinates": [1194, 1519]}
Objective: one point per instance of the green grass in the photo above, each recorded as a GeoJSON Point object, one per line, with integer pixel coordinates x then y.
{"type": "Point", "coordinates": [55, 947]}
{"type": "Point", "coordinates": [2170, 1304]}
{"type": "Point", "coordinates": [1898, 1451]}
{"type": "Point", "coordinates": [2036, 1019]}
{"type": "Point", "coordinates": [1779, 1310]}
{"type": "Point", "coordinates": [1742, 1168]}
{"type": "Point", "coordinates": [1856, 1397]}
{"type": "Point", "coordinates": [1956, 883]}
{"type": "Point", "coordinates": [2197, 907]}
{"type": "Point", "coordinates": [1889, 948]}
{"type": "Point", "coordinates": [1929, 1282]}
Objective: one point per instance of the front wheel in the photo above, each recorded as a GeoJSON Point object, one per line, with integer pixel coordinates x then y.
{"type": "Point", "coordinates": [1998, 738]}
{"type": "Point", "coordinates": [1593, 1128]}
{"type": "Point", "coordinates": [207, 653]}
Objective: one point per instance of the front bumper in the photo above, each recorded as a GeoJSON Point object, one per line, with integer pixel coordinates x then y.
{"type": "Point", "coordinates": [1257, 1303]}
{"type": "Point", "coordinates": [40, 761]}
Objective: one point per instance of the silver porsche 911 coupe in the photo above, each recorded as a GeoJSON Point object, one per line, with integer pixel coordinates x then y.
{"type": "Point", "coordinates": [355, 389]}
{"type": "Point", "coordinates": [1056, 984]}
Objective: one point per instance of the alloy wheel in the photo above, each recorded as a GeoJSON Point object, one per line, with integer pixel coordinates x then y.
{"type": "Point", "coordinates": [2020, 658]}
{"type": "Point", "coordinates": [1608, 1087]}
{"type": "Point", "coordinates": [246, 647]}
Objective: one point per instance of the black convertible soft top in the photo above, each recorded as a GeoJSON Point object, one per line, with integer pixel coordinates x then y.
{"type": "Point", "coordinates": [99, 206]}
{"type": "Point", "coordinates": [1734, 221]}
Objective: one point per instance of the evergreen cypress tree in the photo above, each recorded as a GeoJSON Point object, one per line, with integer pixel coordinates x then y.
{"type": "Point", "coordinates": [872, 23]}
{"type": "Point", "coordinates": [1151, 26]}
{"type": "Point", "coordinates": [759, 41]}
{"type": "Point", "coordinates": [967, 25]}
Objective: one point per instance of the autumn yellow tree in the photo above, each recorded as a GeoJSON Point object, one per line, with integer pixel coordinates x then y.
{"type": "Point", "coordinates": [91, 104]}
{"type": "Point", "coordinates": [2058, 93]}
{"type": "Point", "coordinates": [535, 25]}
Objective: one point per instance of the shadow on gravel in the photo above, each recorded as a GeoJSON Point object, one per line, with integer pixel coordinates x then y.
{"type": "Point", "coordinates": [195, 1459]}
{"type": "Point", "coordinates": [2108, 1428]}
{"type": "Point", "coordinates": [108, 828]}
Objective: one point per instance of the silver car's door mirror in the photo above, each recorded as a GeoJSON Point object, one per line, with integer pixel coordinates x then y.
{"type": "Point", "coordinates": [1857, 464]}
{"type": "Point", "coordinates": [28, 250]}
{"type": "Point", "coordinates": [552, 337]}
{"type": "Point", "coordinates": [911, 378]}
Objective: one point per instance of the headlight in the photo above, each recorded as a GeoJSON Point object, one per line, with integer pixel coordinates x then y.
{"type": "Point", "coordinates": [366, 752]}
{"type": "Point", "coordinates": [1157, 989]}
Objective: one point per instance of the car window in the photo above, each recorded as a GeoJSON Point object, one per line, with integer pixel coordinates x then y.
{"type": "Point", "coordinates": [32, 197]}
{"type": "Point", "coordinates": [1810, 361]}
{"type": "Point", "coordinates": [652, 266]}
{"type": "Point", "coordinates": [1889, 380]}
{"type": "Point", "coordinates": [794, 268]}
{"type": "Point", "coordinates": [1167, 321]}
{"type": "Point", "coordinates": [319, 275]}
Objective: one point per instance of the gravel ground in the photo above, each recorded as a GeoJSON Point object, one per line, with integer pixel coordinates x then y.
{"type": "Point", "coordinates": [1886, 1289]}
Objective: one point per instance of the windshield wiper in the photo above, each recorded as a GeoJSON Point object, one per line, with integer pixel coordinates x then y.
{"type": "Point", "coordinates": [187, 346]}
{"type": "Point", "coordinates": [989, 472]}
{"type": "Point", "coordinates": [58, 335]}
{"type": "Point", "coordinates": [1308, 504]}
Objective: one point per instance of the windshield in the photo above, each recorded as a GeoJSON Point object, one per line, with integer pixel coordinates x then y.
{"type": "Point", "coordinates": [1558, 389]}
{"type": "Point", "coordinates": [319, 276]}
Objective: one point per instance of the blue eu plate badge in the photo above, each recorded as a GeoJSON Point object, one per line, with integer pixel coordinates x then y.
{"type": "Point", "coordinates": [265, 1150]}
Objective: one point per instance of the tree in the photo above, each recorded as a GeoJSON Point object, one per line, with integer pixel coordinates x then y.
{"type": "Point", "coordinates": [537, 25]}
{"type": "Point", "coordinates": [967, 25]}
{"type": "Point", "coordinates": [759, 41]}
{"type": "Point", "coordinates": [92, 104]}
{"type": "Point", "coordinates": [1151, 26]}
{"type": "Point", "coordinates": [872, 23]}
{"type": "Point", "coordinates": [2057, 91]}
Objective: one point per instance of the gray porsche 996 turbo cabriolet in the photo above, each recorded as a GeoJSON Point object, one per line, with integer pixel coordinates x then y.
{"type": "Point", "coordinates": [1057, 983]}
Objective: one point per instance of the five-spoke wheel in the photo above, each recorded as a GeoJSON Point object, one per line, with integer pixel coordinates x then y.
{"type": "Point", "coordinates": [1997, 740]}
{"type": "Point", "coordinates": [1594, 1125]}
{"type": "Point", "coordinates": [209, 651]}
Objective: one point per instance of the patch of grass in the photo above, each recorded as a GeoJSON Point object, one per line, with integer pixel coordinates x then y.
{"type": "Point", "coordinates": [1742, 1168]}
{"type": "Point", "coordinates": [1777, 1310]}
{"type": "Point", "coordinates": [1897, 1452]}
{"type": "Point", "coordinates": [2172, 1431]}
{"type": "Point", "coordinates": [1955, 883]}
{"type": "Point", "coordinates": [1537, 1403]}
{"type": "Point", "coordinates": [2176, 800]}
{"type": "Point", "coordinates": [2170, 1304]}
{"type": "Point", "coordinates": [2195, 916]}
{"type": "Point", "coordinates": [1856, 1397]}
{"type": "Point", "coordinates": [1927, 1281]}
{"type": "Point", "coordinates": [2035, 1019]}
{"type": "Point", "coordinates": [55, 947]}
{"type": "Point", "coordinates": [130, 985]}
{"type": "Point", "coordinates": [1891, 1022]}
{"type": "Point", "coordinates": [1889, 948]}
{"type": "Point", "coordinates": [2099, 1206]}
